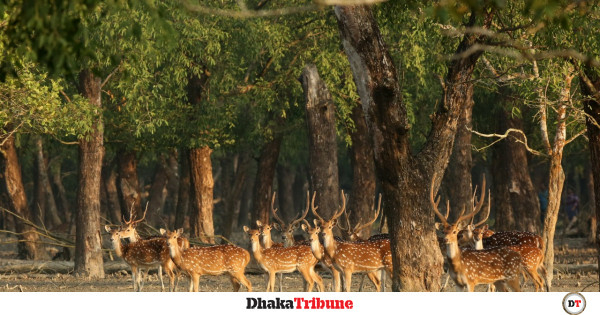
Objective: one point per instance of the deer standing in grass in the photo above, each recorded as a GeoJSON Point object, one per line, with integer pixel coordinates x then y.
{"type": "Point", "coordinates": [351, 257]}
{"type": "Point", "coordinates": [470, 267]}
{"type": "Point", "coordinates": [285, 260]}
{"type": "Point", "coordinates": [532, 257]}
{"type": "Point", "coordinates": [212, 260]}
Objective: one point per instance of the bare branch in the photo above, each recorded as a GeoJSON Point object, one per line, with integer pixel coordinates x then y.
{"type": "Point", "coordinates": [504, 136]}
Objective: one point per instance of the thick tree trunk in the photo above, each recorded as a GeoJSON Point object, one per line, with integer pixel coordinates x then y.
{"type": "Point", "coordinates": [47, 203]}
{"type": "Point", "coordinates": [129, 185]}
{"type": "Point", "coordinates": [28, 247]}
{"type": "Point", "coordinates": [285, 182]}
{"type": "Point", "coordinates": [592, 202]}
{"type": "Point", "coordinates": [88, 242]}
{"type": "Point", "coordinates": [514, 197]}
{"type": "Point", "coordinates": [263, 186]}
{"type": "Point", "coordinates": [363, 169]}
{"type": "Point", "coordinates": [110, 177]}
{"type": "Point", "coordinates": [239, 174]}
{"type": "Point", "coordinates": [157, 193]}
{"type": "Point", "coordinates": [405, 178]}
{"type": "Point", "coordinates": [183, 198]}
{"type": "Point", "coordinates": [201, 197]}
{"type": "Point", "coordinates": [590, 86]}
{"type": "Point", "coordinates": [322, 141]}
{"type": "Point", "coordinates": [457, 179]}
{"type": "Point", "coordinates": [556, 180]}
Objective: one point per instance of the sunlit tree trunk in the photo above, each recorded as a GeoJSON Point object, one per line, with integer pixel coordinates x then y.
{"type": "Point", "coordinates": [201, 196]}
{"type": "Point", "coordinates": [129, 184]}
{"type": "Point", "coordinates": [88, 242]}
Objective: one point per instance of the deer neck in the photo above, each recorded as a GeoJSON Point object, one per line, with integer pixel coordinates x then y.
{"type": "Point", "coordinates": [454, 256]}
{"type": "Point", "coordinates": [257, 250]}
{"type": "Point", "coordinates": [330, 245]}
{"type": "Point", "coordinates": [119, 250]}
{"type": "Point", "coordinates": [136, 237]}
{"type": "Point", "coordinates": [175, 253]}
{"type": "Point", "coordinates": [316, 249]}
{"type": "Point", "coordinates": [267, 241]}
{"type": "Point", "coordinates": [479, 244]}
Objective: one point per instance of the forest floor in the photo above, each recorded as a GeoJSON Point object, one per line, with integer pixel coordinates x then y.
{"type": "Point", "coordinates": [572, 255]}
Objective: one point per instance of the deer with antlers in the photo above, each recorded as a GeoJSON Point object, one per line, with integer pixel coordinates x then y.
{"type": "Point", "coordinates": [352, 257]}
{"type": "Point", "coordinates": [128, 230]}
{"type": "Point", "coordinates": [532, 257]}
{"type": "Point", "coordinates": [212, 260]}
{"type": "Point", "coordinates": [469, 267]}
{"type": "Point", "coordinates": [287, 230]}
{"type": "Point", "coordinates": [285, 260]}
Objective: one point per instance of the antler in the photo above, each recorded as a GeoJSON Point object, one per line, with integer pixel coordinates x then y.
{"type": "Point", "coordinates": [274, 211]}
{"type": "Point", "coordinates": [314, 209]}
{"type": "Point", "coordinates": [487, 212]}
{"type": "Point", "coordinates": [368, 224]}
{"type": "Point", "coordinates": [304, 214]}
{"type": "Point", "coordinates": [477, 207]}
{"type": "Point", "coordinates": [434, 204]}
{"type": "Point", "coordinates": [342, 208]}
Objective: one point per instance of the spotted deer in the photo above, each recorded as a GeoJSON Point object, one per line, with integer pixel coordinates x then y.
{"type": "Point", "coordinates": [465, 236]}
{"type": "Point", "coordinates": [352, 257]}
{"type": "Point", "coordinates": [212, 260]}
{"type": "Point", "coordinates": [144, 254]}
{"type": "Point", "coordinates": [532, 258]}
{"type": "Point", "coordinates": [128, 230]}
{"type": "Point", "coordinates": [470, 267]}
{"type": "Point", "coordinates": [285, 260]}
{"type": "Point", "coordinates": [287, 230]}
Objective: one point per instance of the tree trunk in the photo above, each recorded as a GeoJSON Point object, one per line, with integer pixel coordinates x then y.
{"type": "Point", "coordinates": [28, 247]}
{"type": "Point", "coordinates": [63, 202]}
{"type": "Point", "coordinates": [362, 198]}
{"type": "Point", "coordinates": [556, 180]}
{"type": "Point", "coordinates": [263, 186]}
{"type": "Point", "coordinates": [590, 86]}
{"type": "Point", "coordinates": [172, 187]}
{"type": "Point", "coordinates": [158, 193]}
{"type": "Point", "coordinates": [202, 184]}
{"type": "Point", "coordinates": [129, 185]}
{"type": "Point", "coordinates": [322, 141]}
{"type": "Point", "coordinates": [514, 197]}
{"type": "Point", "coordinates": [48, 203]}
{"type": "Point", "coordinates": [88, 242]}
{"type": "Point", "coordinates": [592, 202]}
{"type": "Point", "coordinates": [285, 182]}
{"type": "Point", "coordinates": [406, 178]}
{"type": "Point", "coordinates": [110, 177]}
{"type": "Point", "coordinates": [239, 171]}
{"type": "Point", "coordinates": [457, 179]}
{"type": "Point", "coordinates": [183, 198]}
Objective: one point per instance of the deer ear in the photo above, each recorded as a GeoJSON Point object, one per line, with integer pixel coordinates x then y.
{"type": "Point", "coordinates": [316, 222]}
{"type": "Point", "coordinates": [107, 228]}
{"type": "Point", "coordinates": [334, 222]}
{"type": "Point", "coordinates": [304, 227]}
{"type": "Point", "coordinates": [438, 226]}
{"type": "Point", "coordinates": [246, 229]}
{"type": "Point", "coordinates": [163, 231]}
{"type": "Point", "coordinates": [276, 226]}
{"type": "Point", "coordinates": [258, 223]}
{"type": "Point", "coordinates": [179, 232]}
{"type": "Point", "coordinates": [485, 227]}
{"type": "Point", "coordinates": [462, 225]}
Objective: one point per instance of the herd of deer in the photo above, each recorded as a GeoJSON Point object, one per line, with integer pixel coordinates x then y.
{"type": "Point", "coordinates": [474, 254]}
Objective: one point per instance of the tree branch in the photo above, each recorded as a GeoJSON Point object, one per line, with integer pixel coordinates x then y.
{"type": "Point", "coordinates": [504, 136]}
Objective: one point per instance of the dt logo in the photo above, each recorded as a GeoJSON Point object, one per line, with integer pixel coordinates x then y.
{"type": "Point", "coordinates": [574, 303]}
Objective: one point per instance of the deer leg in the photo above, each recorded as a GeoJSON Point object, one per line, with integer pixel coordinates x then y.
{"type": "Point", "coordinates": [281, 282]}
{"type": "Point", "coordinates": [272, 281]}
{"type": "Point", "coordinates": [191, 288]}
{"type": "Point", "coordinates": [375, 278]}
{"type": "Point", "coordinates": [243, 280]}
{"type": "Point", "coordinates": [162, 284]}
{"type": "Point", "coordinates": [337, 281]}
{"type": "Point", "coordinates": [308, 280]}
{"type": "Point", "coordinates": [317, 279]}
{"type": "Point", "coordinates": [134, 272]}
{"type": "Point", "coordinates": [196, 281]}
{"type": "Point", "coordinates": [235, 283]}
{"type": "Point", "coordinates": [348, 280]}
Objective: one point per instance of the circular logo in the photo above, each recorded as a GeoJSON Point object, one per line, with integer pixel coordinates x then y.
{"type": "Point", "coordinates": [574, 303]}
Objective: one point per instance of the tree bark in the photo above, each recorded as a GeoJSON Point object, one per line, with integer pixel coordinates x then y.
{"type": "Point", "coordinates": [556, 179]}
{"type": "Point", "coordinates": [61, 193]}
{"type": "Point", "coordinates": [172, 187]}
{"type": "Point", "coordinates": [183, 198]}
{"type": "Point", "coordinates": [362, 198]}
{"type": "Point", "coordinates": [457, 179]}
{"type": "Point", "coordinates": [48, 203]}
{"type": "Point", "coordinates": [263, 186]}
{"type": "Point", "coordinates": [201, 197]}
{"type": "Point", "coordinates": [590, 86]}
{"type": "Point", "coordinates": [322, 141]}
{"type": "Point", "coordinates": [88, 242]}
{"type": "Point", "coordinates": [129, 184]}
{"type": "Point", "coordinates": [157, 193]}
{"type": "Point", "coordinates": [405, 177]}
{"type": "Point", "coordinates": [285, 182]}
{"type": "Point", "coordinates": [239, 171]}
{"type": "Point", "coordinates": [110, 177]}
{"type": "Point", "coordinates": [514, 197]}
{"type": "Point", "coordinates": [28, 247]}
